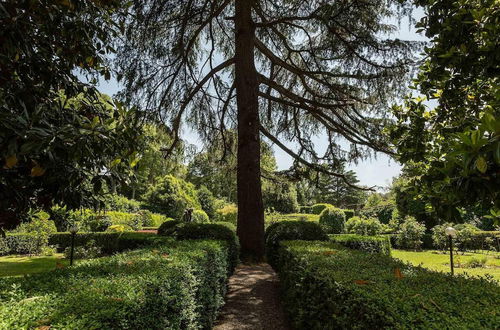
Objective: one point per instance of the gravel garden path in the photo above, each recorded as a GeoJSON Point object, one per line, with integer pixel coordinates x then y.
{"type": "Point", "coordinates": [252, 301]}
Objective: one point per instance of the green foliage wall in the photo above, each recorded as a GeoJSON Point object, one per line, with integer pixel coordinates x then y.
{"type": "Point", "coordinates": [171, 196]}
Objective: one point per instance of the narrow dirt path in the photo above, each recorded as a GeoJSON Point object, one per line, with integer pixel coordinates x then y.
{"type": "Point", "coordinates": [253, 300]}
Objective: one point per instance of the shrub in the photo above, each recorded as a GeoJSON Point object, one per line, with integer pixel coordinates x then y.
{"type": "Point", "coordinates": [115, 202]}
{"type": "Point", "coordinates": [108, 242]}
{"type": "Point", "coordinates": [158, 219]}
{"type": "Point", "coordinates": [326, 286]}
{"type": "Point", "coordinates": [61, 217]}
{"type": "Point", "coordinates": [318, 208]}
{"type": "Point", "coordinates": [176, 285]}
{"type": "Point", "coordinates": [98, 223]}
{"type": "Point", "coordinates": [168, 228]}
{"type": "Point", "coordinates": [410, 234]}
{"type": "Point", "coordinates": [305, 209]}
{"type": "Point", "coordinates": [146, 218]}
{"type": "Point", "coordinates": [290, 230]}
{"type": "Point", "coordinates": [171, 196]}
{"type": "Point", "coordinates": [439, 239]}
{"type": "Point", "coordinates": [118, 229]}
{"type": "Point", "coordinates": [382, 211]}
{"type": "Point", "coordinates": [332, 219]}
{"type": "Point", "coordinates": [20, 243]}
{"type": "Point", "coordinates": [212, 231]}
{"type": "Point", "coordinates": [363, 226]}
{"type": "Point", "coordinates": [39, 227]}
{"type": "Point", "coordinates": [228, 213]}
{"type": "Point", "coordinates": [207, 201]}
{"type": "Point", "coordinates": [132, 220]}
{"type": "Point", "coordinates": [465, 236]}
{"type": "Point", "coordinates": [199, 216]}
{"type": "Point", "coordinates": [371, 244]}
{"type": "Point", "coordinates": [348, 213]}
{"type": "Point", "coordinates": [88, 251]}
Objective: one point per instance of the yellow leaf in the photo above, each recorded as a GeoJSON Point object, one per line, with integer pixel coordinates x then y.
{"type": "Point", "coordinates": [10, 161]}
{"type": "Point", "coordinates": [37, 171]}
{"type": "Point", "coordinates": [481, 165]}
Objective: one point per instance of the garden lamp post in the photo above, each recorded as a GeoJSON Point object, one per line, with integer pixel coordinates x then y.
{"type": "Point", "coordinates": [73, 230]}
{"type": "Point", "coordinates": [451, 233]}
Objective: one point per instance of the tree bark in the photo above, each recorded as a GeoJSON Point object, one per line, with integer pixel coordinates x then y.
{"type": "Point", "coordinates": [250, 206]}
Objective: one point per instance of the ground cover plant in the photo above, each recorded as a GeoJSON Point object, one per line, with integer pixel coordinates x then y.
{"type": "Point", "coordinates": [326, 286]}
{"type": "Point", "coordinates": [177, 284]}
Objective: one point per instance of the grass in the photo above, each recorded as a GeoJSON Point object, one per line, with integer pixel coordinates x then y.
{"type": "Point", "coordinates": [439, 261]}
{"type": "Point", "coordinates": [23, 265]}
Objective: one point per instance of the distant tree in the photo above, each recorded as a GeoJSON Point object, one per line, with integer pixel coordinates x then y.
{"type": "Point", "coordinates": [288, 70]}
{"type": "Point", "coordinates": [452, 151]}
{"type": "Point", "coordinates": [153, 165]}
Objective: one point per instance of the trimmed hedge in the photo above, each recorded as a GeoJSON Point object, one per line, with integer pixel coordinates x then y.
{"type": "Point", "coordinates": [371, 244]}
{"type": "Point", "coordinates": [175, 285]}
{"type": "Point", "coordinates": [168, 228]}
{"type": "Point", "coordinates": [108, 242]}
{"type": "Point", "coordinates": [326, 286]}
{"type": "Point", "coordinates": [215, 231]}
{"type": "Point", "coordinates": [333, 220]}
{"type": "Point", "coordinates": [290, 230]}
{"type": "Point", "coordinates": [305, 209]}
{"type": "Point", "coordinates": [318, 208]}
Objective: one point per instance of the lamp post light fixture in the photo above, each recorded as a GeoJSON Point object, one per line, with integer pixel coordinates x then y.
{"type": "Point", "coordinates": [73, 230]}
{"type": "Point", "coordinates": [451, 233]}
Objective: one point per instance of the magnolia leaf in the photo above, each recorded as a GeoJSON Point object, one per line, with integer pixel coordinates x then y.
{"type": "Point", "coordinates": [481, 164]}
{"type": "Point", "coordinates": [11, 161]}
{"type": "Point", "coordinates": [37, 171]}
{"type": "Point", "coordinates": [115, 162]}
{"type": "Point", "coordinates": [361, 282]}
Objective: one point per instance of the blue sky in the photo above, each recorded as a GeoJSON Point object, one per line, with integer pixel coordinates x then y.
{"type": "Point", "coordinates": [377, 171]}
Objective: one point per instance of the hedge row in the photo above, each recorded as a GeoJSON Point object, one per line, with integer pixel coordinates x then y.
{"type": "Point", "coordinates": [290, 230]}
{"type": "Point", "coordinates": [372, 244]}
{"type": "Point", "coordinates": [175, 285]}
{"type": "Point", "coordinates": [327, 286]}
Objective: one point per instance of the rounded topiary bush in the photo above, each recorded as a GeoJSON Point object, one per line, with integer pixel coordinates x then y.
{"type": "Point", "coordinates": [318, 208]}
{"type": "Point", "coordinates": [332, 219]}
{"type": "Point", "coordinates": [168, 228]}
{"type": "Point", "coordinates": [199, 216]}
{"type": "Point", "coordinates": [171, 196]}
{"type": "Point", "coordinates": [410, 234]}
{"type": "Point", "coordinates": [290, 230]}
{"type": "Point", "coordinates": [363, 226]}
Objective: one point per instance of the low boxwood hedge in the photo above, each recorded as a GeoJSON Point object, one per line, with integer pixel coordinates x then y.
{"type": "Point", "coordinates": [327, 286]}
{"type": "Point", "coordinates": [218, 231]}
{"type": "Point", "coordinates": [108, 242]}
{"type": "Point", "coordinates": [372, 244]}
{"type": "Point", "coordinates": [290, 230]}
{"type": "Point", "coordinates": [176, 285]}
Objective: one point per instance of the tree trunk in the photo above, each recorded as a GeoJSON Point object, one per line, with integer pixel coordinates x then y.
{"type": "Point", "coordinates": [250, 207]}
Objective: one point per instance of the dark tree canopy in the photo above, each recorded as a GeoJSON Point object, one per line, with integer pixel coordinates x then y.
{"type": "Point", "coordinates": [289, 70]}
{"type": "Point", "coordinates": [452, 152]}
{"type": "Point", "coordinates": [57, 133]}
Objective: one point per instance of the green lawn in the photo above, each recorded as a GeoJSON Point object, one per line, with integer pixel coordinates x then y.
{"type": "Point", "coordinates": [21, 265]}
{"type": "Point", "coordinates": [436, 260]}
